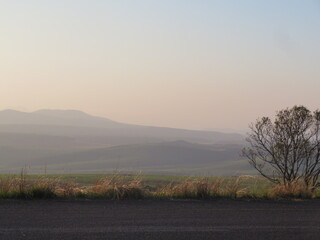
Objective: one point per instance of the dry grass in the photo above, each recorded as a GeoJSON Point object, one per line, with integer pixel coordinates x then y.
{"type": "Point", "coordinates": [187, 189]}
{"type": "Point", "coordinates": [203, 188]}
{"type": "Point", "coordinates": [8, 184]}
{"type": "Point", "coordinates": [21, 187]}
{"type": "Point", "coordinates": [295, 190]}
{"type": "Point", "coordinates": [70, 190]}
{"type": "Point", "coordinates": [119, 187]}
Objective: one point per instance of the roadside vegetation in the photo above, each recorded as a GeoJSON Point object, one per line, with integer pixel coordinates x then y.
{"type": "Point", "coordinates": [126, 186]}
{"type": "Point", "coordinates": [286, 151]}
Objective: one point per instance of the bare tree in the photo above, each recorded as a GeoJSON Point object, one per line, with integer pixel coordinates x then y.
{"type": "Point", "coordinates": [286, 150]}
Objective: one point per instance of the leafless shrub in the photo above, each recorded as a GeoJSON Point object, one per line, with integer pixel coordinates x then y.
{"type": "Point", "coordinates": [287, 150]}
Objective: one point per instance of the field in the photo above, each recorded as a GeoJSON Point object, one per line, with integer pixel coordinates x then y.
{"type": "Point", "coordinates": [153, 182]}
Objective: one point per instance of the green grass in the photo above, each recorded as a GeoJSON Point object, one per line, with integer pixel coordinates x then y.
{"type": "Point", "coordinates": [90, 179]}
{"type": "Point", "coordinates": [151, 182]}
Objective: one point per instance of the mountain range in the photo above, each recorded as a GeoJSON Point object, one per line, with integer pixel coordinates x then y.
{"type": "Point", "coordinates": [70, 141]}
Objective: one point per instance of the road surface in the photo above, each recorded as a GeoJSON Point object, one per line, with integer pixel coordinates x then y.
{"type": "Point", "coordinates": [155, 219]}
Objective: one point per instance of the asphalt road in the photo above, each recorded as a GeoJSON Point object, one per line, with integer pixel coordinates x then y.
{"type": "Point", "coordinates": [149, 219]}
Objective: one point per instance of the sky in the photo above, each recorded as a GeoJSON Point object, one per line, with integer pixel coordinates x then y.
{"type": "Point", "coordinates": [176, 63]}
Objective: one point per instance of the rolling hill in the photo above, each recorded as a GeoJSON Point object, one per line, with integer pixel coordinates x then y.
{"type": "Point", "coordinates": [83, 127]}
{"type": "Point", "coordinates": [178, 158]}
{"type": "Point", "coordinates": [75, 142]}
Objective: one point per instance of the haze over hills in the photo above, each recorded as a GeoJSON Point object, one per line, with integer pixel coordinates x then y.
{"type": "Point", "coordinates": [178, 158]}
{"type": "Point", "coordinates": [73, 141]}
{"type": "Point", "coordinates": [56, 117]}
{"type": "Point", "coordinates": [77, 124]}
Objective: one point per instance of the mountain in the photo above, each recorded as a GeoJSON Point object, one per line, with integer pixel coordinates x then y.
{"type": "Point", "coordinates": [73, 141]}
{"type": "Point", "coordinates": [93, 130]}
{"type": "Point", "coordinates": [56, 118]}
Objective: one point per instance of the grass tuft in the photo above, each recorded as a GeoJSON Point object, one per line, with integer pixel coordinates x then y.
{"type": "Point", "coordinates": [118, 187]}
{"type": "Point", "coordinates": [295, 190]}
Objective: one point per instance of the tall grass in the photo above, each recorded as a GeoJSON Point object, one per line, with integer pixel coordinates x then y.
{"type": "Point", "coordinates": [21, 188]}
{"type": "Point", "coordinates": [204, 188]}
{"type": "Point", "coordinates": [295, 190]}
{"type": "Point", "coordinates": [120, 187]}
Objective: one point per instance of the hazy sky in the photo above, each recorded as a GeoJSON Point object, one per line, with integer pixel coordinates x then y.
{"type": "Point", "coordinates": [178, 63]}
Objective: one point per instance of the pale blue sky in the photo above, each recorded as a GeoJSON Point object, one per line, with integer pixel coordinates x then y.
{"type": "Point", "coordinates": [189, 64]}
